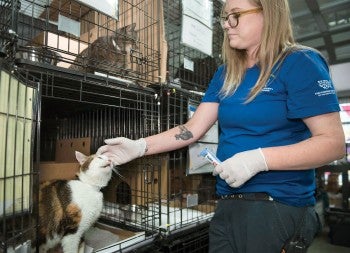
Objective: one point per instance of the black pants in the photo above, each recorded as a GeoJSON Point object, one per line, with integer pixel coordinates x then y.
{"type": "Point", "coordinates": [254, 226]}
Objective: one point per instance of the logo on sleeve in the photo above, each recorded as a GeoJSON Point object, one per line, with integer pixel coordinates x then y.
{"type": "Point", "coordinates": [327, 87]}
{"type": "Point", "coordinates": [325, 84]}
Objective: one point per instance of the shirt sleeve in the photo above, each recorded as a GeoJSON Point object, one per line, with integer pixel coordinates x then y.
{"type": "Point", "coordinates": [310, 90]}
{"type": "Point", "coordinates": [212, 93]}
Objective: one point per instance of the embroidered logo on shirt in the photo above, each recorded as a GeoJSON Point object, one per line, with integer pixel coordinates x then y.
{"type": "Point", "coordinates": [267, 89]}
{"type": "Point", "coordinates": [325, 84]}
{"type": "Point", "coordinates": [269, 81]}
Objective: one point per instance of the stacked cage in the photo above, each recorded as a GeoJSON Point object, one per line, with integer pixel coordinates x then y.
{"type": "Point", "coordinates": [93, 66]}
{"type": "Point", "coordinates": [8, 27]}
{"type": "Point", "coordinates": [118, 39]}
{"type": "Point", "coordinates": [166, 198]}
{"type": "Point", "coordinates": [79, 115]}
{"type": "Point", "coordinates": [98, 70]}
{"type": "Point", "coordinates": [19, 107]}
{"type": "Point", "coordinates": [189, 201]}
{"type": "Point", "coordinates": [190, 196]}
{"type": "Point", "coordinates": [188, 67]}
{"type": "Point", "coordinates": [185, 202]}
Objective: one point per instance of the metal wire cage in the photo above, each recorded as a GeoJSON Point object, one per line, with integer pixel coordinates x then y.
{"type": "Point", "coordinates": [188, 67]}
{"type": "Point", "coordinates": [189, 199]}
{"type": "Point", "coordinates": [79, 114]}
{"type": "Point", "coordinates": [8, 26]}
{"type": "Point", "coordinates": [119, 39]}
{"type": "Point", "coordinates": [194, 240]}
{"type": "Point", "coordinates": [86, 98]}
{"type": "Point", "coordinates": [157, 195]}
{"type": "Point", "coordinates": [19, 110]}
{"type": "Point", "coordinates": [94, 109]}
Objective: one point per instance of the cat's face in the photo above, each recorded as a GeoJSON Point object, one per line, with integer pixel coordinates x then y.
{"type": "Point", "coordinates": [94, 169]}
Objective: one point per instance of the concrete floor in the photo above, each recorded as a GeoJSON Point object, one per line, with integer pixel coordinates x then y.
{"type": "Point", "coordinates": [321, 244]}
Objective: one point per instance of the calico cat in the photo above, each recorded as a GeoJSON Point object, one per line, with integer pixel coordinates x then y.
{"type": "Point", "coordinates": [108, 53]}
{"type": "Point", "coordinates": [68, 208]}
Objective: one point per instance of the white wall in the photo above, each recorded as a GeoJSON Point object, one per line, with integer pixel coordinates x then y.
{"type": "Point", "coordinates": [341, 76]}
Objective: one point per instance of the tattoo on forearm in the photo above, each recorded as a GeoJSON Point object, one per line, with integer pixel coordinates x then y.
{"type": "Point", "coordinates": [184, 134]}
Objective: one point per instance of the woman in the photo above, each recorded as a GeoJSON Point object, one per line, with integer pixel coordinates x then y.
{"type": "Point", "coordinates": [279, 119]}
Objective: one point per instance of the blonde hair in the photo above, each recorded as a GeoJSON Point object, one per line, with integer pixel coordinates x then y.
{"type": "Point", "coordinates": [276, 41]}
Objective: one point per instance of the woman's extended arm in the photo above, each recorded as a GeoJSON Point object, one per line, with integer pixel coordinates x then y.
{"type": "Point", "coordinates": [326, 144]}
{"type": "Point", "coordinates": [183, 135]}
{"type": "Point", "coordinates": [121, 150]}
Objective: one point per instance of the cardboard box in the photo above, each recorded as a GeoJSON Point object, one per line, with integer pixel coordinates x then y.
{"type": "Point", "coordinates": [147, 183]}
{"type": "Point", "coordinates": [149, 59]}
{"type": "Point", "coordinates": [68, 47]}
{"type": "Point", "coordinates": [141, 184]}
{"type": "Point", "coordinates": [151, 35]}
{"type": "Point", "coordinates": [53, 171]}
{"type": "Point", "coordinates": [72, 9]}
{"type": "Point", "coordinates": [65, 149]}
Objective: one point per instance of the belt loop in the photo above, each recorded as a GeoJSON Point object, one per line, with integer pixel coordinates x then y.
{"type": "Point", "coordinates": [248, 196]}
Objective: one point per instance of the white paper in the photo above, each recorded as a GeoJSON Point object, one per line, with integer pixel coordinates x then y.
{"type": "Point", "coordinates": [200, 10]}
{"type": "Point", "coordinates": [196, 35]}
{"type": "Point", "coordinates": [188, 64]}
{"type": "Point", "coordinates": [108, 7]}
{"type": "Point", "coordinates": [212, 136]}
{"type": "Point", "coordinates": [196, 163]}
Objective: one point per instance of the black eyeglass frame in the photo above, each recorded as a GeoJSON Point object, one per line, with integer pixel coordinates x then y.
{"type": "Point", "coordinates": [237, 15]}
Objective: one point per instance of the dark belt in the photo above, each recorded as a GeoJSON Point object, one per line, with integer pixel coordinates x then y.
{"type": "Point", "coordinates": [248, 196]}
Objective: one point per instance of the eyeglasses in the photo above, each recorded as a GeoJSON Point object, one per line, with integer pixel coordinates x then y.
{"type": "Point", "coordinates": [233, 18]}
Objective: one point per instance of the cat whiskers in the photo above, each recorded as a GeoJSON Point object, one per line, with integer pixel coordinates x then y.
{"type": "Point", "coordinates": [115, 170]}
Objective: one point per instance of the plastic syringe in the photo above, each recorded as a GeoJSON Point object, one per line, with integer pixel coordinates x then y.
{"type": "Point", "coordinates": [210, 156]}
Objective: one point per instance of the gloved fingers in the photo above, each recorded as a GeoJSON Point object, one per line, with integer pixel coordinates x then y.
{"type": "Point", "coordinates": [224, 175]}
{"type": "Point", "coordinates": [217, 170]}
{"type": "Point", "coordinates": [233, 185]}
{"type": "Point", "coordinates": [115, 141]}
{"type": "Point", "coordinates": [101, 150]}
{"type": "Point", "coordinates": [236, 184]}
{"type": "Point", "coordinates": [115, 160]}
{"type": "Point", "coordinates": [230, 180]}
{"type": "Point", "coordinates": [113, 157]}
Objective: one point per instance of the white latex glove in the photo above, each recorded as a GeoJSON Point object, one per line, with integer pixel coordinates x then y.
{"type": "Point", "coordinates": [241, 167]}
{"type": "Point", "coordinates": [122, 150]}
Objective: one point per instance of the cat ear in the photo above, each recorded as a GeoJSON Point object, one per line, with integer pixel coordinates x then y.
{"type": "Point", "coordinates": [128, 28]}
{"type": "Point", "coordinates": [80, 157]}
{"type": "Point", "coordinates": [132, 27]}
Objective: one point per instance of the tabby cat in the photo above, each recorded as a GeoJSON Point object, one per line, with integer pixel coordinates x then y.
{"type": "Point", "coordinates": [68, 208]}
{"type": "Point", "coordinates": [108, 53]}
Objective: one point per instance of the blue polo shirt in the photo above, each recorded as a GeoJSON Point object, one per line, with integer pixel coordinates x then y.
{"type": "Point", "coordinates": [300, 88]}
